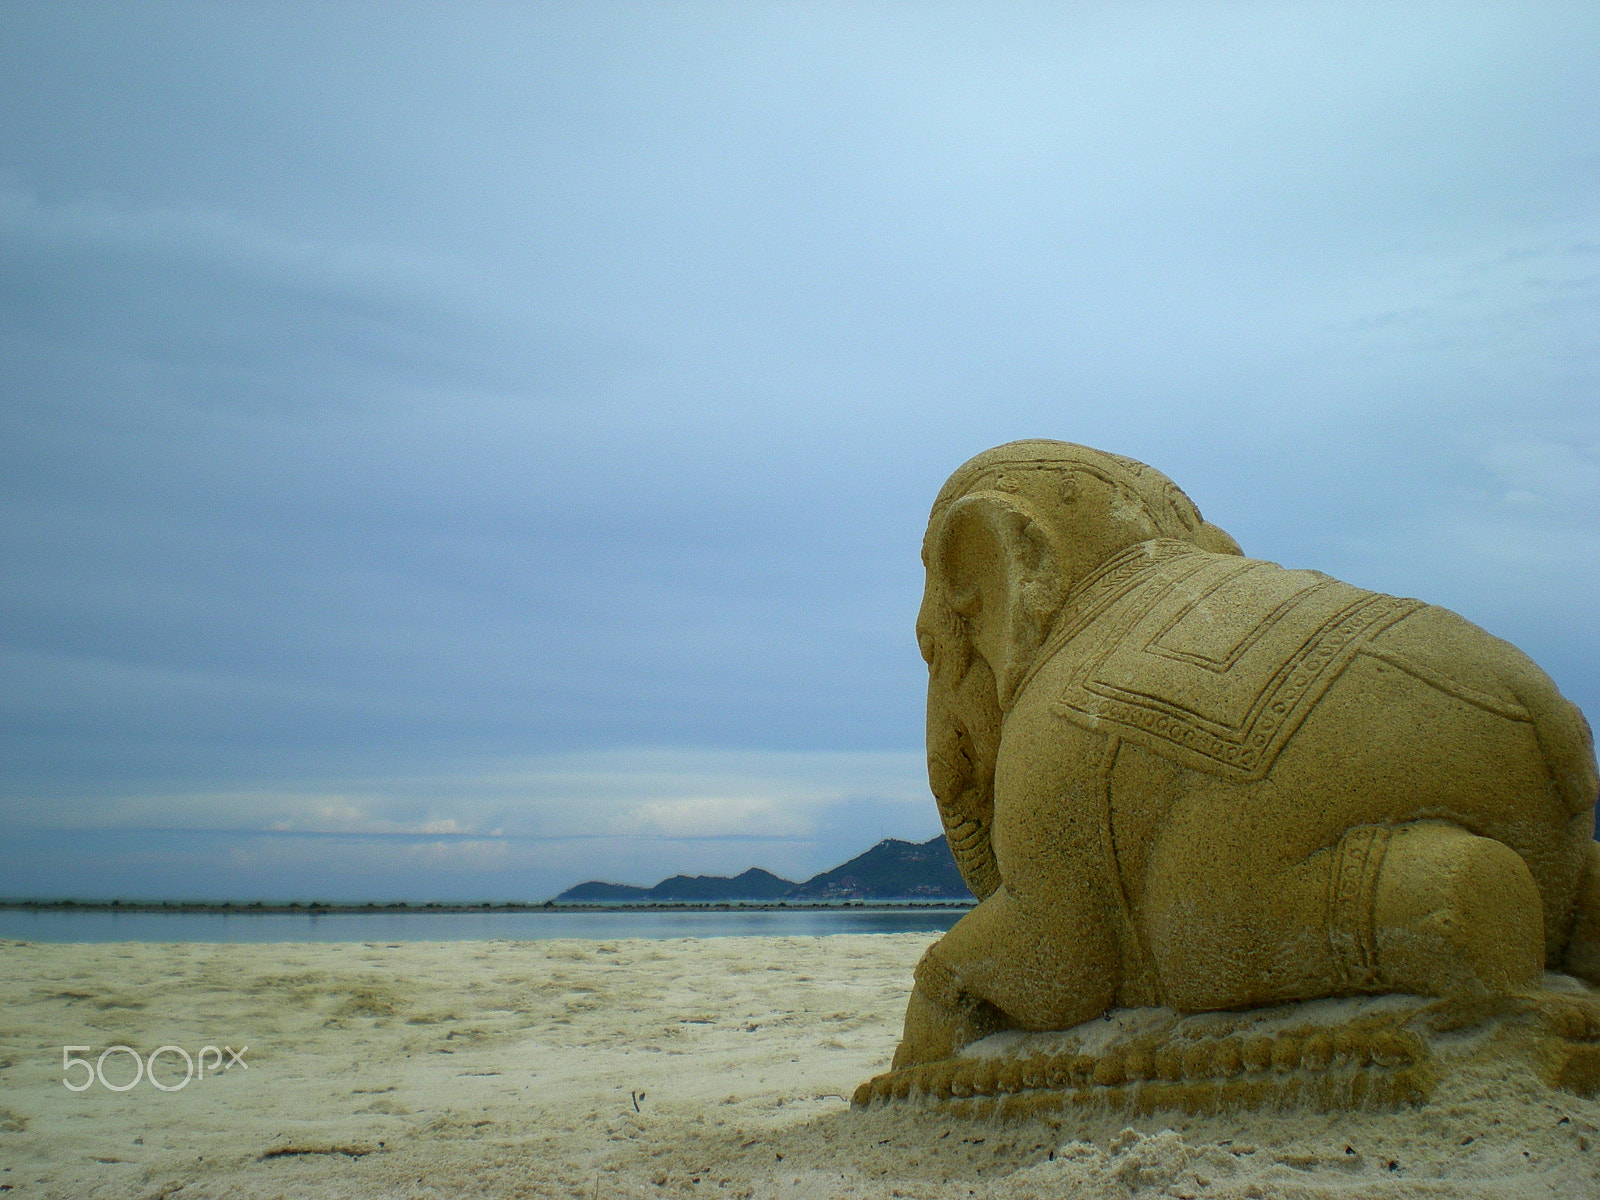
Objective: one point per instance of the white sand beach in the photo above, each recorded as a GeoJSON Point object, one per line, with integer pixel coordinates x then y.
{"type": "Point", "coordinates": [581, 1069]}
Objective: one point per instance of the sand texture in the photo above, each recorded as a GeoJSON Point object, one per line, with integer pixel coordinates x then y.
{"type": "Point", "coordinates": [583, 1069]}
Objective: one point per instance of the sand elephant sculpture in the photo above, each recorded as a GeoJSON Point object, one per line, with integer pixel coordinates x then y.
{"type": "Point", "coordinates": [1176, 776]}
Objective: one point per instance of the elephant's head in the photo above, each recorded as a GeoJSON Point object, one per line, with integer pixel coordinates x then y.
{"type": "Point", "coordinates": [1013, 534]}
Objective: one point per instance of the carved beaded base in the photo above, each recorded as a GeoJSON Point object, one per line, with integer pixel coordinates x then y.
{"type": "Point", "coordinates": [1358, 1053]}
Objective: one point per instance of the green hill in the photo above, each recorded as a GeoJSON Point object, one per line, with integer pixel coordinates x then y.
{"type": "Point", "coordinates": [891, 870]}
{"type": "Point", "coordinates": [754, 884]}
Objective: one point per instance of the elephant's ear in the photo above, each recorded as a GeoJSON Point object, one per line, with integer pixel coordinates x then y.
{"type": "Point", "coordinates": [1001, 573]}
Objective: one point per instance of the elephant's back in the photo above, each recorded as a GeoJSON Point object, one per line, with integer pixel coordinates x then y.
{"type": "Point", "coordinates": [1395, 738]}
{"type": "Point", "coordinates": [1450, 654]}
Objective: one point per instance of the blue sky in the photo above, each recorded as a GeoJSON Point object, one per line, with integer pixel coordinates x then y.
{"type": "Point", "coordinates": [450, 452]}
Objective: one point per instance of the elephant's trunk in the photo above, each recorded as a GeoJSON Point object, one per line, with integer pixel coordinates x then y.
{"type": "Point", "coordinates": [963, 740]}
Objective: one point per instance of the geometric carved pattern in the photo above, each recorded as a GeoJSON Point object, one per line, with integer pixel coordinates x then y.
{"type": "Point", "coordinates": [1210, 660]}
{"type": "Point", "coordinates": [1352, 889]}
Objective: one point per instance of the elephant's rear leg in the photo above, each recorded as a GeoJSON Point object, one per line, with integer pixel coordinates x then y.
{"type": "Point", "coordinates": [1422, 907]}
{"type": "Point", "coordinates": [1582, 954]}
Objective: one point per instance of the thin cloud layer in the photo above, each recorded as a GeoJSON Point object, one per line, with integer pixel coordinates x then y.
{"type": "Point", "coordinates": [403, 402]}
{"type": "Point", "coordinates": [518, 830]}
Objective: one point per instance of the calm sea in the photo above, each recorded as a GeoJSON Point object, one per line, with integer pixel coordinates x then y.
{"type": "Point", "coordinates": [102, 926]}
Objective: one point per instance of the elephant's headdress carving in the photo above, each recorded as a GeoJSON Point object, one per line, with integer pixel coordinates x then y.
{"type": "Point", "coordinates": [1039, 467]}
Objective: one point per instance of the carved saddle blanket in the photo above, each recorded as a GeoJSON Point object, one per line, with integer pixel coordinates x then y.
{"type": "Point", "coordinates": [1209, 659]}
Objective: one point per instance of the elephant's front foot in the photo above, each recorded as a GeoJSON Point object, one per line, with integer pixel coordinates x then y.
{"type": "Point", "coordinates": [934, 1031]}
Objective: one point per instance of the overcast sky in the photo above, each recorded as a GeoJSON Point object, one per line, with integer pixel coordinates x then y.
{"type": "Point", "coordinates": [453, 451]}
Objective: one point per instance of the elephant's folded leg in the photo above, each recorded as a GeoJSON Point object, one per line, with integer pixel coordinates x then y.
{"type": "Point", "coordinates": [1422, 907]}
{"type": "Point", "coordinates": [1454, 912]}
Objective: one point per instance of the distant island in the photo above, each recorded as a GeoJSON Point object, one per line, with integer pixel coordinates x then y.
{"type": "Point", "coordinates": [891, 870]}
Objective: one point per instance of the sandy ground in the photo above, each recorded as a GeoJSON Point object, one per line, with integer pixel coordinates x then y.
{"type": "Point", "coordinates": [634, 1069]}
